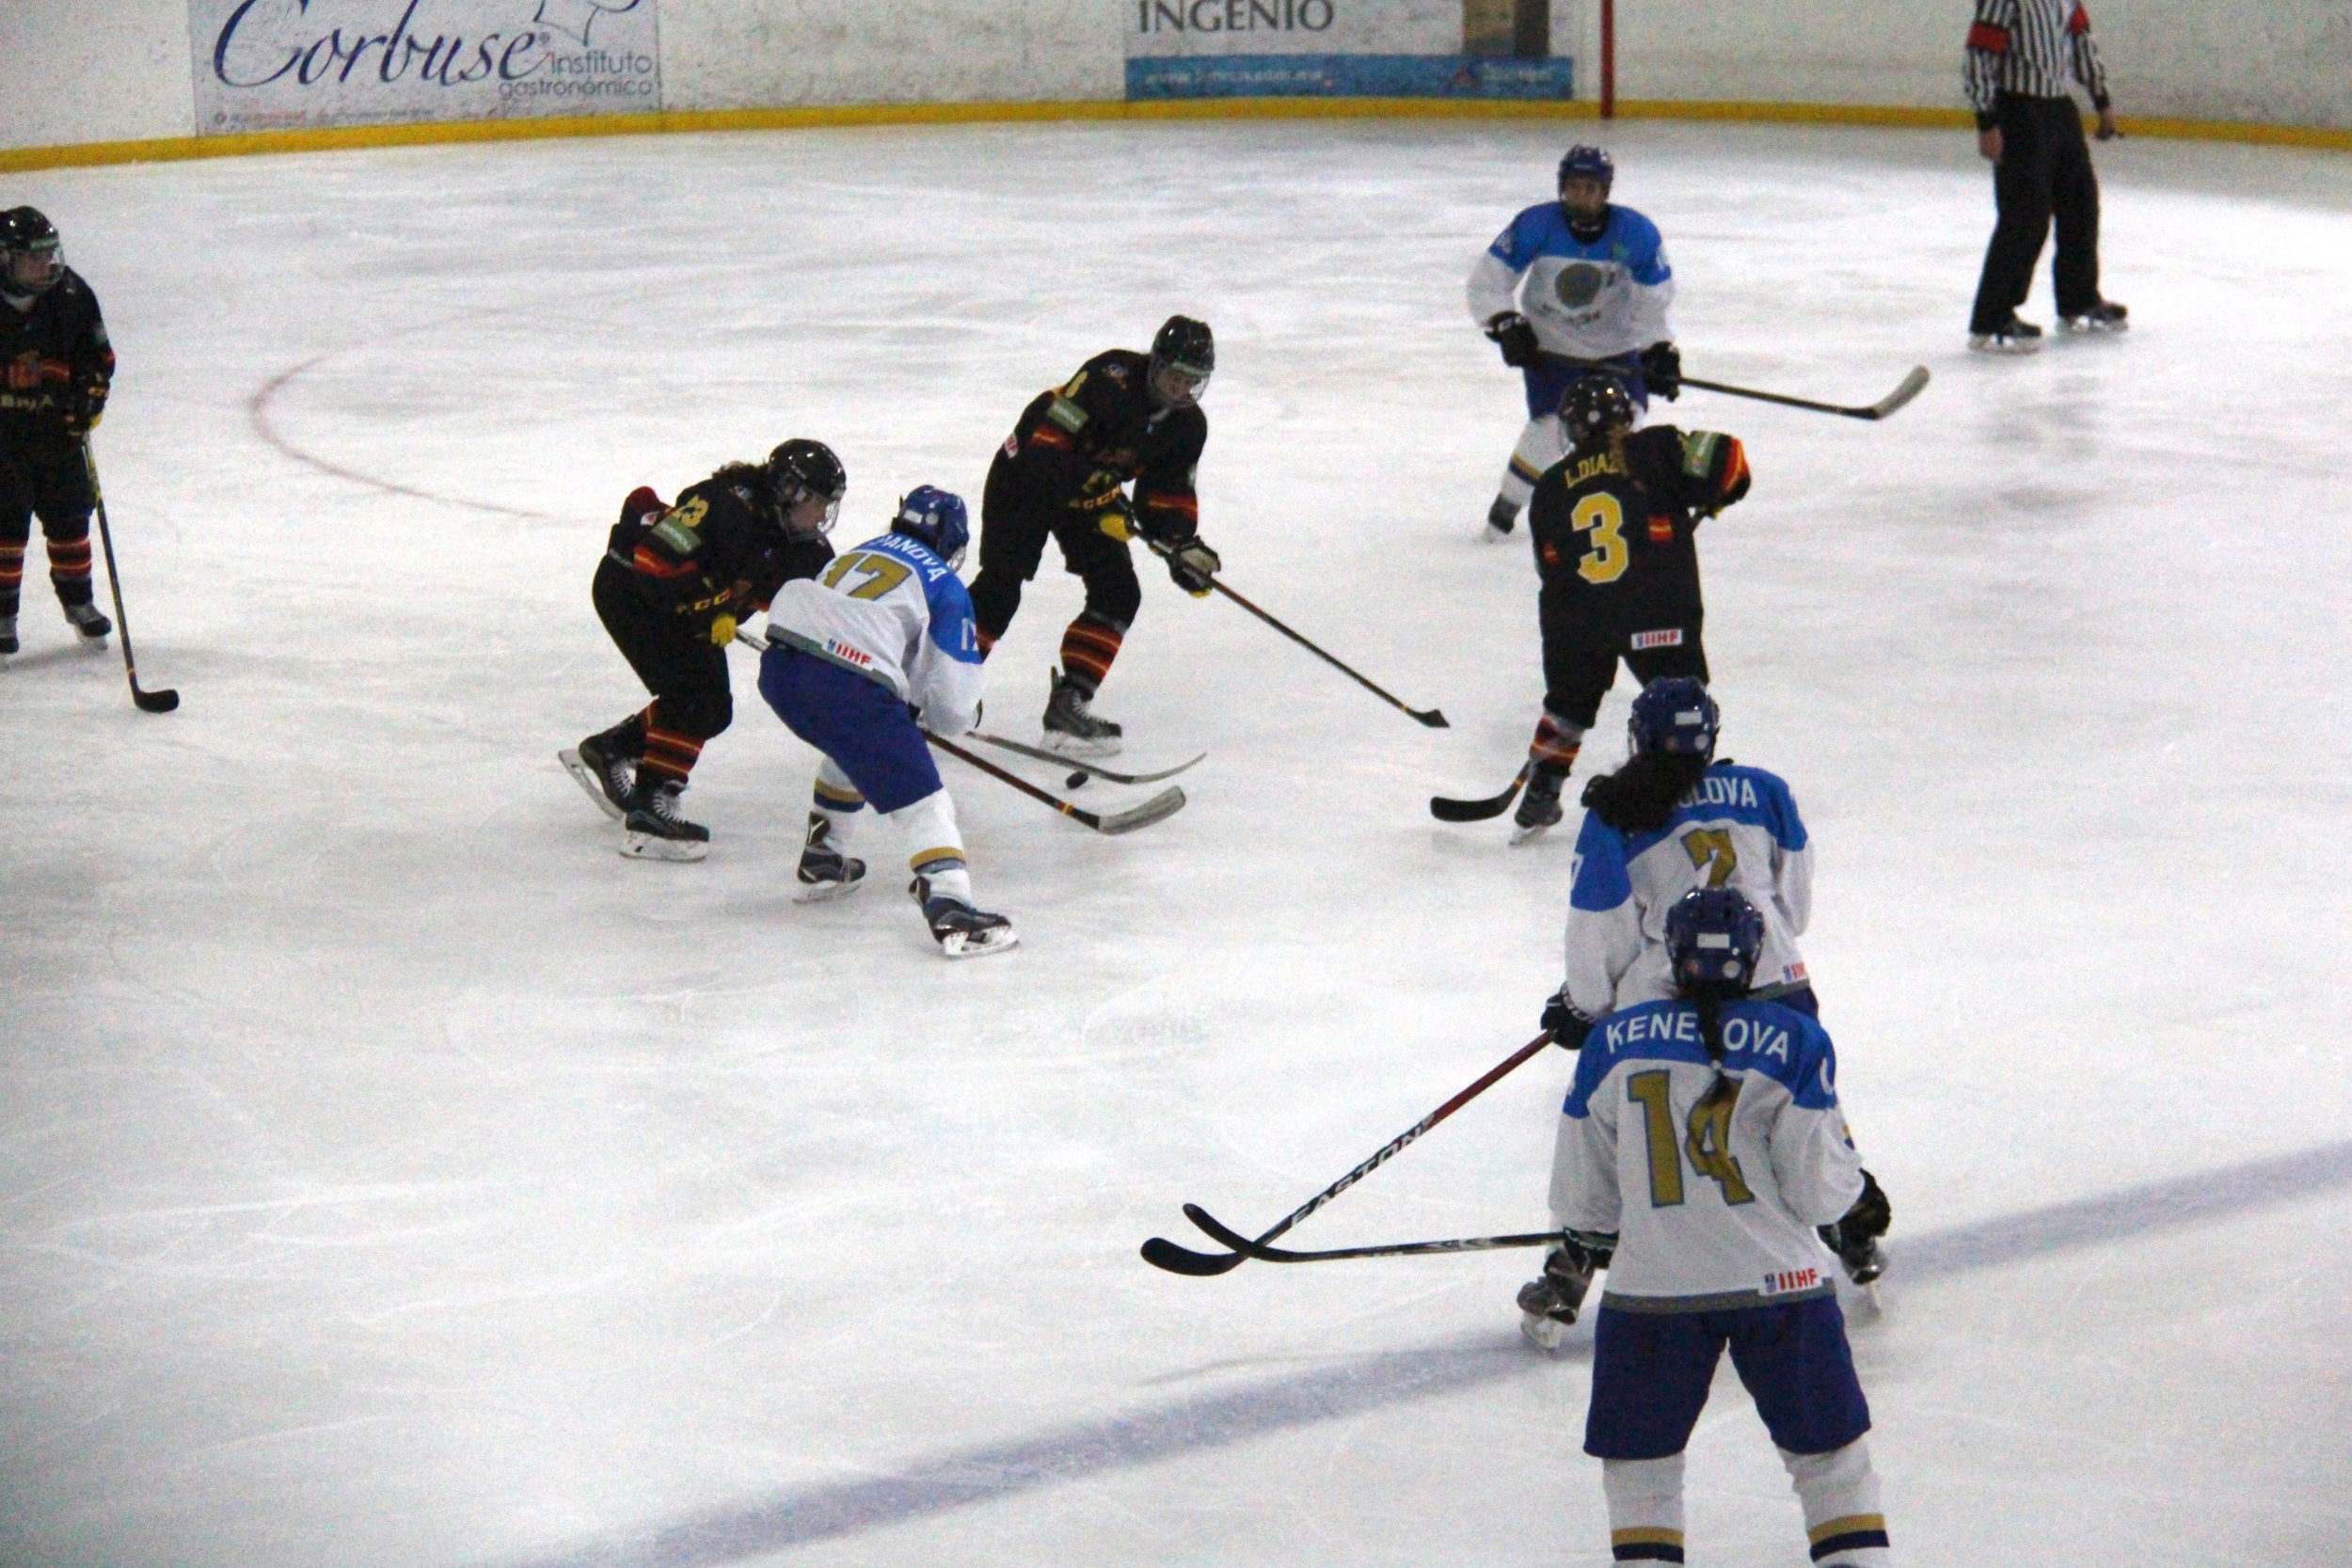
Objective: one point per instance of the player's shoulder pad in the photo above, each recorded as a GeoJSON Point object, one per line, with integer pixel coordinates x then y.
{"type": "Point", "coordinates": [1774, 1041]}
{"type": "Point", "coordinates": [1777, 799]}
{"type": "Point", "coordinates": [1647, 1031]}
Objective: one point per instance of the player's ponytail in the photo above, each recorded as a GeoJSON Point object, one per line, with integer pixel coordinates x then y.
{"type": "Point", "coordinates": [1640, 795]}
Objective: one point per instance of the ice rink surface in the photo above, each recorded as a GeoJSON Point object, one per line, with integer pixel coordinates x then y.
{"type": "Point", "coordinates": [392, 1174]}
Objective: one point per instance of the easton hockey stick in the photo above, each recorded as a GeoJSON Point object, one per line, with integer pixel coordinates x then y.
{"type": "Point", "coordinates": [1446, 809]}
{"type": "Point", "coordinates": [1167, 802]}
{"type": "Point", "coordinates": [1163, 1254]}
{"type": "Point", "coordinates": [1913, 383]}
{"type": "Point", "coordinates": [1430, 717]}
{"type": "Point", "coordinates": [1239, 1243]}
{"type": "Point", "coordinates": [164, 699]}
{"type": "Point", "coordinates": [1081, 764]}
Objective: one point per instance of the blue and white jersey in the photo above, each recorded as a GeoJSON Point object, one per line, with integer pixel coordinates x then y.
{"type": "Point", "coordinates": [895, 612]}
{"type": "Point", "coordinates": [1738, 828]}
{"type": "Point", "coordinates": [1586, 299]}
{"type": "Point", "coordinates": [1711, 1181]}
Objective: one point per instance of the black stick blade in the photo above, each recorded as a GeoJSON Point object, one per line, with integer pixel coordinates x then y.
{"type": "Point", "coordinates": [157, 702]}
{"type": "Point", "coordinates": [1447, 810]}
{"type": "Point", "coordinates": [1217, 1231]}
{"type": "Point", "coordinates": [1430, 717]}
{"type": "Point", "coordinates": [1164, 1254]}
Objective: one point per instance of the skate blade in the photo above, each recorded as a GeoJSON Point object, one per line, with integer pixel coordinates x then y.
{"type": "Point", "coordinates": [1545, 1333]}
{"type": "Point", "coordinates": [978, 944]}
{"type": "Point", "coordinates": [1529, 835]}
{"type": "Point", "coordinates": [826, 893]}
{"type": "Point", "coordinates": [645, 846]}
{"type": "Point", "coordinates": [586, 777]}
{"type": "Point", "coordinates": [1078, 746]}
{"type": "Point", "coordinates": [92, 645]}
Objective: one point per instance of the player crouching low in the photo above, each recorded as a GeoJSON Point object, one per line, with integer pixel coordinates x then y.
{"type": "Point", "coordinates": [1701, 1144]}
{"type": "Point", "coordinates": [852, 659]}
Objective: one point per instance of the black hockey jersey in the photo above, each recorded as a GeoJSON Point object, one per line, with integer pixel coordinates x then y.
{"type": "Point", "coordinates": [718, 549]}
{"type": "Point", "coordinates": [1079, 444]}
{"type": "Point", "coordinates": [55, 365]}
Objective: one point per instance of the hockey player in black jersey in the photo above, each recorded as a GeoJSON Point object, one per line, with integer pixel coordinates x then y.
{"type": "Point", "coordinates": [672, 584]}
{"type": "Point", "coordinates": [1613, 524]}
{"type": "Point", "coordinates": [1064, 472]}
{"type": "Point", "coordinates": [55, 368]}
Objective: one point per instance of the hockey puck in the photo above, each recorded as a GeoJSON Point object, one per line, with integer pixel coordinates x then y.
{"type": "Point", "coordinates": [1075, 780]}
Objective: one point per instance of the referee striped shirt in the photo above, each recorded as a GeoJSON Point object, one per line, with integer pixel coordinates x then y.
{"type": "Point", "coordinates": [2026, 48]}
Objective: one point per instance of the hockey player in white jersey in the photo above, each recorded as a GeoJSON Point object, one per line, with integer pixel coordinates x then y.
{"type": "Point", "coordinates": [853, 657]}
{"type": "Point", "coordinates": [1701, 1144]}
{"type": "Point", "coordinates": [1567, 285]}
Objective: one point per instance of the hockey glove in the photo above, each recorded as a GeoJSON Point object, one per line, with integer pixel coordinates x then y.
{"type": "Point", "coordinates": [1662, 370]}
{"type": "Point", "coordinates": [1510, 332]}
{"type": "Point", "coordinates": [88, 407]}
{"type": "Point", "coordinates": [721, 629]}
{"type": "Point", "coordinates": [1870, 1216]}
{"type": "Point", "coordinates": [1117, 518]}
{"type": "Point", "coordinates": [1567, 1025]}
{"type": "Point", "coordinates": [1194, 565]}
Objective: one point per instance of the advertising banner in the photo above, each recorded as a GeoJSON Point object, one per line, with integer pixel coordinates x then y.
{"type": "Point", "coordinates": [273, 65]}
{"type": "Point", "coordinates": [1344, 48]}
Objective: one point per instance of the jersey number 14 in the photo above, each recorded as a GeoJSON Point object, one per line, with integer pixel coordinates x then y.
{"type": "Point", "coordinates": [1706, 1138]}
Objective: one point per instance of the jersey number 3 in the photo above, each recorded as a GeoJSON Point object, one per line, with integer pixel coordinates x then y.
{"type": "Point", "coordinates": [1706, 1138]}
{"type": "Point", "coordinates": [1600, 515]}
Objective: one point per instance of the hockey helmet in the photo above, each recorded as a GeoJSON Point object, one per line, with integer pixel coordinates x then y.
{"type": "Point", "coordinates": [935, 519]}
{"type": "Point", "coordinates": [803, 471]}
{"type": "Point", "coordinates": [1593, 405]}
{"type": "Point", "coordinates": [1673, 714]}
{"type": "Point", "coordinates": [1584, 162]}
{"type": "Point", "coordinates": [1183, 354]}
{"type": "Point", "coordinates": [32, 259]}
{"type": "Point", "coordinates": [1714, 937]}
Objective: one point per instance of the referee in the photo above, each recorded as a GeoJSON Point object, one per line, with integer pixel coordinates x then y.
{"type": "Point", "coordinates": [2027, 126]}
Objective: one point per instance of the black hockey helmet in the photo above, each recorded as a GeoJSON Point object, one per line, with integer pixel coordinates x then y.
{"type": "Point", "coordinates": [802, 470]}
{"type": "Point", "coordinates": [1184, 355]}
{"type": "Point", "coordinates": [32, 259]}
{"type": "Point", "coordinates": [1593, 405]}
{"type": "Point", "coordinates": [1714, 937]}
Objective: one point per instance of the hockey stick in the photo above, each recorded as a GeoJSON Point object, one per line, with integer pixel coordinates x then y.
{"type": "Point", "coordinates": [1911, 385]}
{"type": "Point", "coordinates": [1430, 717]}
{"type": "Point", "coordinates": [1225, 1233]}
{"type": "Point", "coordinates": [1080, 763]}
{"type": "Point", "coordinates": [1167, 802]}
{"type": "Point", "coordinates": [1447, 810]}
{"type": "Point", "coordinates": [164, 699]}
{"type": "Point", "coordinates": [1164, 1254]}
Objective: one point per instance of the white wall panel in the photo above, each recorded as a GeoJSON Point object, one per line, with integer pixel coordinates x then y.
{"type": "Point", "coordinates": [72, 70]}
{"type": "Point", "coordinates": [789, 54]}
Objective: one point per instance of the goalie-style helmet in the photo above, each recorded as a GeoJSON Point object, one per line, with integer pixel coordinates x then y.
{"type": "Point", "coordinates": [1592, 406]}
{"type": "Point", "coordinates": [803, 470]}
{"type": "Point", "coordinates": [1713, 939]}
{"type": "Point", "coordinates": [1673, 714]}
{"type": "Point", "coordinates": [1184, 355]}
{"type": "Point", "coordinates": [32, 260]}
{"type": "Point", "coordinates": [935, 519]}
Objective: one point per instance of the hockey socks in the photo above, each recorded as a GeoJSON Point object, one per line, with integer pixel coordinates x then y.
{"type": "Point", "coordinates": [1645, 1508]}
{"type": "Point", "coordinates": [1088, 646]}
{"type": "Point", "coordinates": [1840, 1493]}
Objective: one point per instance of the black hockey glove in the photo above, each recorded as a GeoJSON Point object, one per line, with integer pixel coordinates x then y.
{"type": "Point", "coordinates": [1194, 565]}
{"type": "Point", "coordinates": [1870, 1216]}
{"type": "Point", "coordinates": [1567, 1025]}
{"type": "Point", "coordinates": [1510, 333]}
{"type": "Point", "coordinates": [1662, 370]}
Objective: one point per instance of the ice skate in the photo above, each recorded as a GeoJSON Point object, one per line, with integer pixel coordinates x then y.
{"type": "Point", "coordinates": [658, 830]}
{"type": "Point", "coordinates": [2012, 336]}
{"type": "Point", "coordinates": [825, 872]}
{"type": "Point", "coordinates": [94, 628]}
{"type": "Point", "coordinates": [1500, 518]}
{"type": "Point", "coordinates": [1539, 805]}
{"type": "Point", "coordinates": [2106, 316]}
{"type": "Point", "coordinates": [1548, 1304]}
{"type": "Point", "coordinates": [606, 775]}
{"type": "Point", "coordinates": [1071, 729]}
{"type": "Point", "coordinates": [961, 930]}
{"type": "Point", "coordinates": [8, 635]}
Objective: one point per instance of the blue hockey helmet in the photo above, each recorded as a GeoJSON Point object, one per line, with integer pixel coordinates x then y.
{"type": "Point", "coordinates": [1714, 937]}
{"type": "Point", "coordinates": [1584, 162]}
{"type": "Point", "coordinates": [1675, 714]}
{"type": "Point", "coordinates": [935, 519]}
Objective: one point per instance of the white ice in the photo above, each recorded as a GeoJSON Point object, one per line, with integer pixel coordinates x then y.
{"type": "Point", "coordinates": [392, 1174]}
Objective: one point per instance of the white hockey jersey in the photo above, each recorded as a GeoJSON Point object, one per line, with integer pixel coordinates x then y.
{"type": "Point", "coordinates": [1712, 1182]}
{"type": "Point", "coordinates": [895, 613]}
{"type": "Point", "coordinates": [1586, 299]}
{"type": "Point", "coordinates": [1738, 827]}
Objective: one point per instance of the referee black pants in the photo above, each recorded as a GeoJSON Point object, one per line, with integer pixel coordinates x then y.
{"type": "Point", "coordinates": [2045, 173]}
